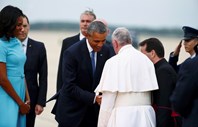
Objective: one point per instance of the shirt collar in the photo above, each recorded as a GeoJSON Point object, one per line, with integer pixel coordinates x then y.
{"type": "Point", "coordinates": [89, 46]}
{"type": "Point", "coordinates": [25, 42]}
{"type": "Point", "coordinates": [193, 56]}
{"type": "Point", "coordinates": [81, 36]}
{"type": "Point", "coordinates": [124, 47]}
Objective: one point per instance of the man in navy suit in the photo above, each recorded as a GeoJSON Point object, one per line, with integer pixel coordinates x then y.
{"type": "Point", "coordinates": [77, 103]}
{"type": "Point", "coordinates": [35, 72]}
{"type": "Point", "coordinates": [85, 19]}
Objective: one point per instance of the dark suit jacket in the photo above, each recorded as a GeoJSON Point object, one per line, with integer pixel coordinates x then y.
{"type": "Point", "coordinates": [166, 77]}
{"type": "Point", "coordinates": [36, 72]}
{"type": "Point", "coordinates": [75, 102]}
{"type": "Point", "coordinates": [185, 95]}
{"type": "Point", "coordinates": [67, 42]}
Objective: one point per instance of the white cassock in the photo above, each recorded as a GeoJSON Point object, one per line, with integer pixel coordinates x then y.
{"type": "Point", "coordinates": [126, 84]}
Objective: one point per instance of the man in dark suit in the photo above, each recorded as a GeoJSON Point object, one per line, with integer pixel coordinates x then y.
{"type": "Point", "coordinates": [85, 19]}
{"type": "Point", "coordinates": [35, 73]}
{"type": "Point", "coordinates": [185, 96]}
{"type": "Point", "coordinates": [77, 103]}
{"type": "Point", "coordinates": [166, 77]}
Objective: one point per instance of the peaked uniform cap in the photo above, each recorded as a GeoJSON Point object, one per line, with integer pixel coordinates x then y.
{"type": "Point", "coordinates": [189, 33]}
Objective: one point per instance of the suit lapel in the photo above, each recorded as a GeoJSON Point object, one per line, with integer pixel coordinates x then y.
{"type": "Point", "coordinates": [29, 47]}
{"type": "Point", "coordinates": [86, 55]}
{"type": "Point", "coordinates": [99, 66]}
{"type": "Point", "coordinates": [100, 61]}
{"type": "Point", "coordinates": [28, 51]}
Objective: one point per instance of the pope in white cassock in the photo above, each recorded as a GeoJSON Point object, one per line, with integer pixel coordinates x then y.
{"type": "Point", "coordinates": [126, 84]}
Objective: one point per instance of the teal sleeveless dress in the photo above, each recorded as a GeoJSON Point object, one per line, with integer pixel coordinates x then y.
{"type": "Point", "coordinates": [11, 53]}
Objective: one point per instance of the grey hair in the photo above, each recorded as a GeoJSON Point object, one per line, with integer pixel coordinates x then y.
{"type": "Point", "coordinates": [96, 26]}
{"type": "Point", "coordinates": [89, 12]}
{"type": "Point", "coordinates": [122, 35]}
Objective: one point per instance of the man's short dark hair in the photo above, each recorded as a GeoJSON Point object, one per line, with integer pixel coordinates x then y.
{"type": "Point", "coordinates": [154, 44]}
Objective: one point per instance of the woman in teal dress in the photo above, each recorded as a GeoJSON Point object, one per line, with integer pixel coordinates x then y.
{"type": "Point", "coordinates": [13, 92]}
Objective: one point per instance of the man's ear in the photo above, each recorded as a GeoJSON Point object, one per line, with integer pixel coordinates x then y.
{"type": "Point", "coordinates": [153, 53]}
{"type": "Point", "coordinates": [116, 43]}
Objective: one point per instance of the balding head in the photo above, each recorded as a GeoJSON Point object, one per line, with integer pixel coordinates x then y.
{"type": "Point", "coordinates": [104, 22]}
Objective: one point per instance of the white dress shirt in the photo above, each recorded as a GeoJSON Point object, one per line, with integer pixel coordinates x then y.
{"type": "Point", "coordinates": [24, 44]}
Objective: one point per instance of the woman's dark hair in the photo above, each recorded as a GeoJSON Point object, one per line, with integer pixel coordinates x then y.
{"type": "Point", "coordinates": [8, 20]}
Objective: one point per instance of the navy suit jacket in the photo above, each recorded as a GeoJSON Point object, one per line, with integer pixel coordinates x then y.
{"type": "Point", "coordinates": [185, 95]}
{"type": "Point", "coordinates": [67, 42]}
{"type": "Point", "coordinates": [36, 72]}
{"type": "Point", "coordinates": [77, 94]}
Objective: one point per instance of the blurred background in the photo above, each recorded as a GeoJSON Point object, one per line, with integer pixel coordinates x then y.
{"type": "Point", "coordinates": [53, 20]}
{"type": "Point", "coordinates": [134, 13]}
